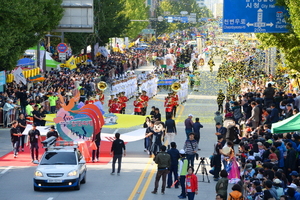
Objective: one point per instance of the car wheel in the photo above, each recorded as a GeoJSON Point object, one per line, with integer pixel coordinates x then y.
{"type": "Point", "coordinates": [77, 187]}
{"type": "Point", "coordinates": [84, 179]}
{"type": "Point", "coordinates": [36, 188]}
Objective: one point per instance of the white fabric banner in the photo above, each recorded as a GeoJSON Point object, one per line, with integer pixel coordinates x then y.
{"type": "Point", "coordinates": [18, 76]}
{"type": "Point", "coordinates": [42, 57]}
{"type": "Point", "coordinates": [131, 136]}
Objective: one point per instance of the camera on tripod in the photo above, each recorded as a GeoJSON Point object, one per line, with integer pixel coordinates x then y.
{"type": "Point", "coordinates": [203, 169]}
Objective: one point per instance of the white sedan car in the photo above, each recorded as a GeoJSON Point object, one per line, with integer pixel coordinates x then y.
{"type": "Point", "coordinates": [60, 167]}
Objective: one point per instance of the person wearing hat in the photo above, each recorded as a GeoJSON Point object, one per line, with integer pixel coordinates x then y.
{"type": "Point", "coordinates": [182, 172]}
{"type": "Point", "coordinates": [52, 132]}
{"type": "Point", "coordinates": [249, 171]}
{"type": "Point", "coordinates": [33, 137]}
{"type": "Point", "coordinates": [277, 184]}
{"type": "Point", "coordinates": [188, 125]}
{"type": "Point", "coordinates": [137, 106]}
{"type": "Point", "coordinates": [294, 175]}
{"type": "Point", "coordinates": [144, 99]}
{"type": "Point", "coordinates": [116, 106]}
{"type": "Point", "coordinates": [110, 102]}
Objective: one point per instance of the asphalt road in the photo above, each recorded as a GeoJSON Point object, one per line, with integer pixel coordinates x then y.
{"type": "Point", "coordinates": [138, 170]}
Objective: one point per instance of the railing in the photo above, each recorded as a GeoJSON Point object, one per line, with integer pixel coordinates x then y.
{"type": "Point", "coordinates": [7, 117]}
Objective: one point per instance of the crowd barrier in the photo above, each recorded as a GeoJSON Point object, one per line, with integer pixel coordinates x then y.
{"type": "Point", "coordinates": [7, 117]}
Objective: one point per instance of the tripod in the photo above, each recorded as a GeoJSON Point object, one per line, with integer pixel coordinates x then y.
{"type": "Point", "coordinates": [203, 168]}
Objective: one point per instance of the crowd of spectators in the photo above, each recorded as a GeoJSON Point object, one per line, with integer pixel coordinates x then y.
{"type": "Point", "coordinates": [269, 162]}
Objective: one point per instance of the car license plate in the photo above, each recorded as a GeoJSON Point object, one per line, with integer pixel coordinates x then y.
{"type": "Point", "coordinates": [54, 181]}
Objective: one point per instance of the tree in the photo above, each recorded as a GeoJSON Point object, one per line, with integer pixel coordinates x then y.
{"type": "Point", "coordinates": [136, 10]}
{"type": "Point", "coordinates": [23, 24]}
{"type": "Point", "coordinates": [111, 20]}
{"type": "Point", "coordinates": [288, 43]}
{"type": "Point", "coordinates": [174, 7]}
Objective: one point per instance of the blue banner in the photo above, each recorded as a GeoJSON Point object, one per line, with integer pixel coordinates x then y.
{"type": "Point", "coordinates": [254, 16]}
{"type": "Point", "coordinates": [166, 81]}
{"type": "Point", "coordinates": [2, 78]}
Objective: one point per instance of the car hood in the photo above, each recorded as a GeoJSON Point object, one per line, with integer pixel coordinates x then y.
{"type": "Point", "coordinates": [56, 168]}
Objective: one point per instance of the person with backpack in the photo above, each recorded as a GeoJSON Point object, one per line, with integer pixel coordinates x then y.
{"type": "Point", "coordinates": [236, 194]}
{"type": "Point", "coordinates": [222, 184]}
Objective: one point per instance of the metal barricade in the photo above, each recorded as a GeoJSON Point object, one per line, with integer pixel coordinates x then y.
{"type": "Point", "coordinates": [10, 116]}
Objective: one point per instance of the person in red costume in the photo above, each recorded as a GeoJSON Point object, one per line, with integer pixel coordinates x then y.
{"type": "Point", "coordinates": [115, 107]}
{"type": "Point", "coordinates": [101, 97]}
{"type": "Point", "coordinates": [89, 101]}
{"type": "Point", "coordinates": [124, 100]}
{"type": "Point", "coordinates": [137, 106]}
{"type": "Point", "coordinates": [110, 102]}
{"type": "Point", "coordinates": [145, 100]}
{"type": "Point", "coordinates": [175, 99]}
{"type": "Point", "coordinates": [169, 106]}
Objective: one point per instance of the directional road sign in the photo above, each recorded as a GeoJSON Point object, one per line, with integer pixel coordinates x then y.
{"type": "Point", "coordinates": [254, 16]}
{"type": "Point", "coordinates": [62, 48]}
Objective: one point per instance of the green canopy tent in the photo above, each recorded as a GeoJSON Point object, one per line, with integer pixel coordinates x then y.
{"type": "Point", "coordinates": [288, 125]}
{"type": "Point", "coordinates": [49, 60]}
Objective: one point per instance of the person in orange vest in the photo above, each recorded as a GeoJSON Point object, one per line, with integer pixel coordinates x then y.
{"type": "Point", "coordinates": [137, 106]}
{"type": "Point", "coordinates": [145, 100]}
{"type": "Point", "coordinates": [124, 100]}
{"type": "Point", "coordinates": [175, 99]}
{"type": "Point", "coordinates": [110, 102]}
{"type": "Point", "coordinates": [169, 106]}
{"type": "Point", "coordinates": [101, 97]}
{"type": "Point", "coordinates": [116, 106]}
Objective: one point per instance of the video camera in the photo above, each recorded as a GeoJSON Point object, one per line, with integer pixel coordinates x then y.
{"type": "Point", "coordinates": [202, 158]}
{"type": "Point", "coordinates": [48, 142]}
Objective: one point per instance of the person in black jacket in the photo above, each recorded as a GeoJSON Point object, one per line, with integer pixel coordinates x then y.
{"type": "Point", "coordinates": [117, 148]}
{"type": "Point", "coordinates": [290, 160]}
{"type": "Point", "coordinates": [174, 153]}
{"type": "Point", "coordinates": [170, 130]}
{"type": "Point", "coordinates": [95, 153]}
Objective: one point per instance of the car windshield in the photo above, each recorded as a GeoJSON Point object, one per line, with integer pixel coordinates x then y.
{"type": "Point", "coordinates": [59, 158]}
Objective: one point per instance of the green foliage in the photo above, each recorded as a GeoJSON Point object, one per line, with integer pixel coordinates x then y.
{"type": "Point", "coordinates": [23, 24]}
{"type": "Point", "coordinates": [111, 20]}
{"type": "Point", "coordinates": [288, 43]}
{"type": "Point", "coordinates": [175, 7]}
{"type": "Point", "coordinates": [136, 10]}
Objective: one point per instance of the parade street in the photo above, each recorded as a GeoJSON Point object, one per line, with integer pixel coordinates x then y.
{"type": "Point", "coordinates": [137, 177]}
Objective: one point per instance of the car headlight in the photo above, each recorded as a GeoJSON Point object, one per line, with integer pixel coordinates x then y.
{"type": "Point", "coordinates": [38, 173]}
{"type": "Point", "coordinates": [72, 173]}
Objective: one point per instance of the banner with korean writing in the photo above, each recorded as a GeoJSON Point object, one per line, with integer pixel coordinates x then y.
{"type": "Point", "coordinates": [166, 81]}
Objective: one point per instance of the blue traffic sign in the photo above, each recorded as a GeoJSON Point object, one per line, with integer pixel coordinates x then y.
{"type": "Point", "coordinates": [62, 48]}
{"type": "Point", "coordinates": [254, 16]}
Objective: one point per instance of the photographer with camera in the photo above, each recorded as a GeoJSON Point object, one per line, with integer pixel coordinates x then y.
{"type": "Point", "coordinates": [190, 148]}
